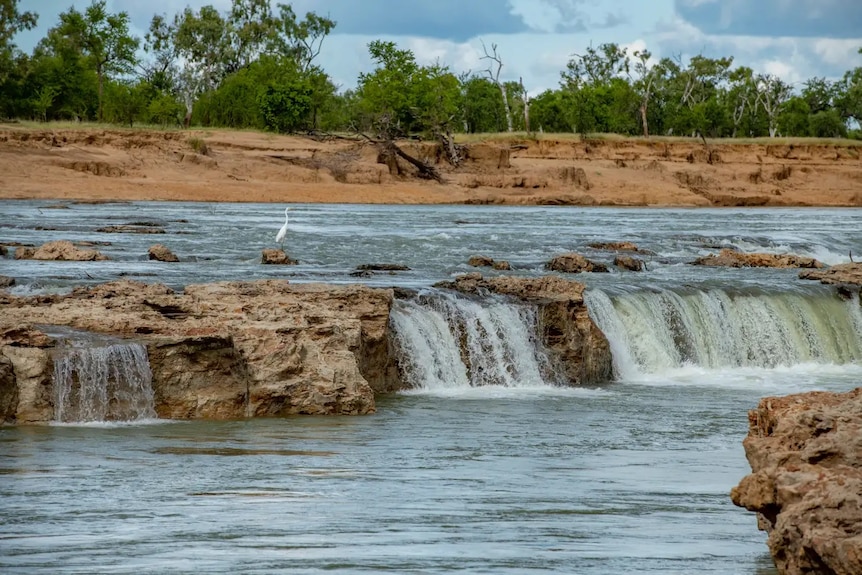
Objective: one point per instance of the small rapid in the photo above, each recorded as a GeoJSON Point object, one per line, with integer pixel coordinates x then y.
{"type": "Point", "coordinates": [653, 332]}
{"type": "Point", "coordinates": [450, 341]}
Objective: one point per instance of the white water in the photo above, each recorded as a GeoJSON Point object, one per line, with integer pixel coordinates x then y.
{"type": "Point", "coordinates": [105, 383]}
{"type": "Point", "coordinates": [657, 332]}
{"type": "Point", "coordinates": [448, 341]}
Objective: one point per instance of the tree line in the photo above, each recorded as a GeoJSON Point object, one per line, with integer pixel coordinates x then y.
{"type": "Point", "coordinates": [255, 66]}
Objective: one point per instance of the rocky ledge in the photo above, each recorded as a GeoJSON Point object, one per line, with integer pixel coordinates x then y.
{"type": "Point", "coordinates": [576, 344]}
{"type": "Point", "coordinates": [848, 274]}
{"type": "Point", "coordinates": [805, 452]}
{"type": "Point", "coordinates": [222, 350]}
{"type": "Point", "coordinates": [734, 259]}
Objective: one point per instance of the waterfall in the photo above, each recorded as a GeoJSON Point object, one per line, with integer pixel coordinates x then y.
{"type": "Point", "coordinates": [103, 383]}
{"type": "Point", "coordinates": [446, 341]}
{"type": "Point", "coordinates": [652, 332]}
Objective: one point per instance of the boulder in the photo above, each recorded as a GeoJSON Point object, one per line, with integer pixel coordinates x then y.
{"type": "Point", "coordinates": [574, 263]}
{"type": "Point", "coordinates": [629, 263]}
{"type": "Point", "coordinates": [486, 262]}
{"type": "Point", "coordinates": [276, 257]}
{"type": "Point", "coordinates": [3, 251]}
{"type": "Point", "coordinates": [6, 281]}
{"type": "Point", "coordinates": [735, 259]}
{"type": "Point", "coordinates": [8, 391]}
{"type": "Point", "coordinates": [575, 343]}
{"type": "Point", "coordinates": [805, 453]}
{"type": "Point", "coordinates": [58, 251]}
{"type": "Point", "coordinates": [838, 274]}
{"type": "Point", "coordinates": [161, 253]}
{"type": "Point", "coordinates": [223, 350]}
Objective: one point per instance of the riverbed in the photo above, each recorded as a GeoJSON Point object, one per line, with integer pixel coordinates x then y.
{"type": "Point", "coordinates": [631, 476]}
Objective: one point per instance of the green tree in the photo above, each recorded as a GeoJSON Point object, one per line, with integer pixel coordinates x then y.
{"type": "Point", "coordinates": [104, 38]}
{"type": "Point", "coordinates": [793, 120]}
{"type": "Point", "coordinates": [482, 108]}
{"type": "Point", "coordinates": [12, 21]}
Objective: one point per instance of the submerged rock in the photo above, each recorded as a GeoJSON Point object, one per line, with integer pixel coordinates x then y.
{"type": "Point", "coordinates": [567, 331]}
{"type": "Point", "coordinates": [382, 268]}
{"type": "Point", "coordinates": [618, 247]}
{"type": "Point", "coordinates": [805, 453]}
{"type": "Point", "coordinates": [735, 259]}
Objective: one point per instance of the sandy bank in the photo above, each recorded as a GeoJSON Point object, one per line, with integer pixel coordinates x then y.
{"type": "Point", "coordinates": [231, 166]}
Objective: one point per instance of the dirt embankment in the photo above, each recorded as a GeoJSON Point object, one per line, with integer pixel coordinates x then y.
{"type": "Point", "coordinates": [229, 166]}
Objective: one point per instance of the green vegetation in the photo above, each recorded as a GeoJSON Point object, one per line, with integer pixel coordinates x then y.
{"type": "Point", "coordinates": [254, 66]}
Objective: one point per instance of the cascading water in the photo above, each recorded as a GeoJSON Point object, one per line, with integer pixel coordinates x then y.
{"type": "Point", "coordinates": [449, 341]}
{"type": "Point", "coordinates": [103, 383]}
{"type": "Point", "coordinates": [652, 332]}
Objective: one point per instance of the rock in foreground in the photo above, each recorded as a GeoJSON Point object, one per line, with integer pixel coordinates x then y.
{"type": "Point", "coordinates": [221, 350]}
{"type": "Point", "coordinates": [805, 452]}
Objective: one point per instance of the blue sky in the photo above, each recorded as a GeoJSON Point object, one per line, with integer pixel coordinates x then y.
{"type": "Point", "coordinates": [795, 39]}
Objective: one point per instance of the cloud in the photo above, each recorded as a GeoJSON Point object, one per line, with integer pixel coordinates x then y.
{"type": "Point", "coordinates": [456, 20]}
{"type": "Point", "coordinates": [788, 18]}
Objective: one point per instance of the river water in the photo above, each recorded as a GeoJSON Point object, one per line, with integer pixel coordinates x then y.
{"type": "Point", "coordinates": [502, 472]}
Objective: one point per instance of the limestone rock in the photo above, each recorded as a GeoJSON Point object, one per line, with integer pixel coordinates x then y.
{"type": "Point", "coordinates": [486, 262]}
{"type": "Point", "coordinates": [230, 349]}
{"type": "Point", "coordinates": [618, 247]}
{"type": "Point", "coordinates": [59, 251]}
{"type": "Point", "coordinates": [276, 257]}
{"type": "Point", "coordinates": [161, 253]}
{"type": "Point", "coordinates": [574, 263]}
{"type": "Point", "coordinates": [8, 391]}
{"type": "Point", "coordinates": [629, 263]}
{"type": "Point", "coordinates": [568, 332]}
{"type": "Point", "coordinates": [33, 369]}
{"type": "Point", "coordinates": [735, 259]}
{"type": "Point", "coordinates": [838, 274]}
{"type": "Point", "coordinates": [805, 453]}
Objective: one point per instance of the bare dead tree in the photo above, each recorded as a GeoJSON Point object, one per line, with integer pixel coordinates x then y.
{"type": "Point", "coordinates": [526, 99]}
{"type": "Point", "coordinates": [493, 71]}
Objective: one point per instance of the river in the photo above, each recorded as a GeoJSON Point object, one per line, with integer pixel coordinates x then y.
{"type": "Point", "coordinates": [516, 475]}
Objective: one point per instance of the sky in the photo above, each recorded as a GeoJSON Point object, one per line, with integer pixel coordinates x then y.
{"type": "Point", "coordinates": [794, 39]}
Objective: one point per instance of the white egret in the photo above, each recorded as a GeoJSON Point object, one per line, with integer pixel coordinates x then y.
{"type": "Point", "coordinates": [279, 237]}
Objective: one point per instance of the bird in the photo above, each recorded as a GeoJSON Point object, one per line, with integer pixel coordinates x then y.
{"type": "Point", "coordinates": [279, 237]}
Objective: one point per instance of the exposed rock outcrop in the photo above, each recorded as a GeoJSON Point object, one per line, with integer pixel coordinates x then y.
{"type": "Point", "coordinates": [486, 262]}
{"type": "Point", "coordinates": [838, 274]}
{"type": "Point", "coordinates": [734, 259]}
{"type": "Point", "coordinates": [574, 263]}
{"type": "Point", "coordinates": [575, 342]}
{"type": "Point", "coordinates": [58, 251]}
{"type": "Point", "coordinates": [161, 253]}
{"type": "Point", "coordinates": [221, 350]}
{"type": "Point", "coordinates": [276, 257]}
{"type": "Point", "coordinates": [629, 263]}
{"type": "Point", "coordinates": [805, 452]}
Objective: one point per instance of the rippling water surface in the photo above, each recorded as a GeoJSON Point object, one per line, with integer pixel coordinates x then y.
{"type": "Point", "coordinates": [628, 477]}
